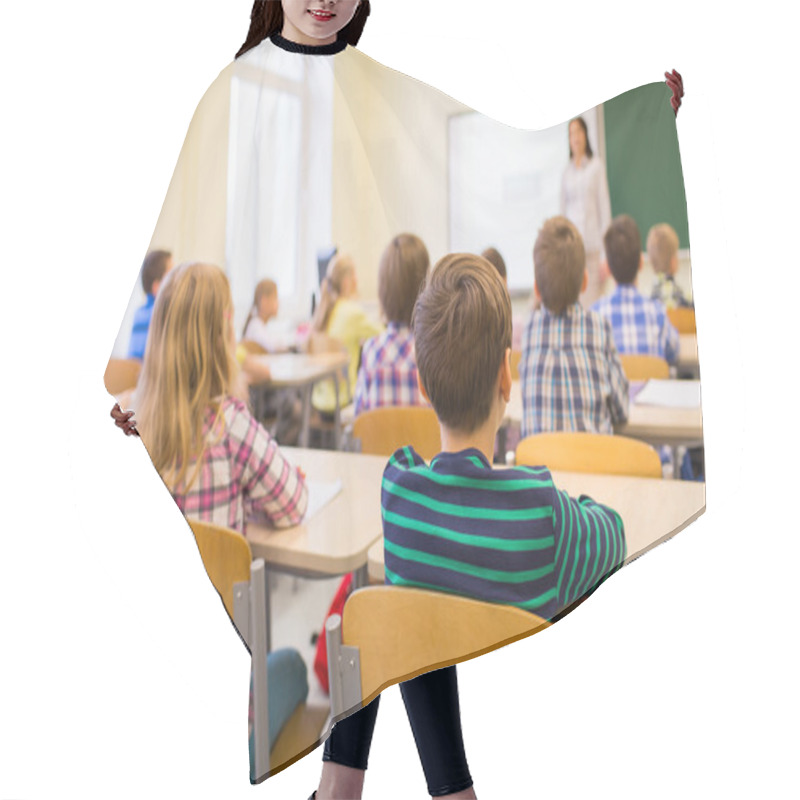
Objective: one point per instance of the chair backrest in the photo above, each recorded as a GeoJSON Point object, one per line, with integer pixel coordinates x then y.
{"type": "Point", "coordinates": [590, 452]}
{"type": "Point", "coordinates": [226, 556]}
{"type": "Point", "coordinates": [383, 430]}
{"type": "Point", "coordinates": [121, 374]}
{"type": "Point", "coordinates": [683, 319]}
{"type": "Point", "coordinates": [643, 368]}
{"type": "Point", "coordinates": [516, 357]}
{"type": "Point", "coordinates": [402, 632]}
{"type": "Point", "coordinates": [253, 348]}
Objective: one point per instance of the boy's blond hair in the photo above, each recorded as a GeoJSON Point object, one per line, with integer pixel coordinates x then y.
{"type": "Point", "coordinates": [189, 367]}
{"type": "Point", "coordinates": [662, 247]}
{"type": "Point", "coordinates": [462, 329]}
{"type": "Point", "coordinates": [559, 263]}
{"type": "Point", "coordinates": [401, 275]}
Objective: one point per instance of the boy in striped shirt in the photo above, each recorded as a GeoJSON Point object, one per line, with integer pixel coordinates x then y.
{"type": "Point", "coordinates": [458, 525]}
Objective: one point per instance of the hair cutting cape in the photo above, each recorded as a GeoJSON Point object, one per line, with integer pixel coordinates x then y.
{"type": "Point", "coordinates": [290, 154]}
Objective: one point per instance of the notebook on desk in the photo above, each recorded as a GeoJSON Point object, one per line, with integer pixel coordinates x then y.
{"type": "Point", "coordinates": [669, 393]}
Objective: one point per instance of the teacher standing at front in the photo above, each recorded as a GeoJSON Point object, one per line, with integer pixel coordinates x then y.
{"type": "Point", "coordinates": [585, 202]}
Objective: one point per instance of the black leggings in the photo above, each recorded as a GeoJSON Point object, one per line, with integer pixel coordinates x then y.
{"type": "Point", "coordinates": [432, 706]}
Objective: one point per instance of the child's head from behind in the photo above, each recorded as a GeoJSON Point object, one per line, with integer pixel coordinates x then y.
{"type": "Point", "coordinates": [623, 245]}
{"type": "Point", "coordinates": [492, 255]}
{"type": "Point", "coordinates": [189, 363]}
{"type": "Point", "coordinates": [662, 249]}
{"type": "Point", "coordinates": [462, 331]}
{"type": "Point", "coordinates": [339, 282]}
{"type": "Point", "coordinates": [156, 264]}
{"type": "Point", "coordinates": [559, 264]}
{"type": "Point", "coordinates": [401, 275]}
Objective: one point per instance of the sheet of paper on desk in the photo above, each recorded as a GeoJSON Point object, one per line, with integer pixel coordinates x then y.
{"type": "Point", "coordinates": [671, 394]}
{"type": "Point", "coordinates": [320, 493]}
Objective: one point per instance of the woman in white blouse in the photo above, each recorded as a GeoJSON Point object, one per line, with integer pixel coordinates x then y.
{"type": "Point", "coordinates": [585, 202]}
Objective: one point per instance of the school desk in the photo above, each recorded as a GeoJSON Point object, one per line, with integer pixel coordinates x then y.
{"type": "Point", "coordinates": [652, 510]}
{"type": "Point", "coordinates": [302, 371]}
{"type": "Point", "coordinates": [656, 425]}
{"type": "Point", "coordinates": [336, 539]}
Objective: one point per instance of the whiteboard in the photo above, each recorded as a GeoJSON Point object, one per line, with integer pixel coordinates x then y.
{"type": "Point", "coordinates": [503, 184]}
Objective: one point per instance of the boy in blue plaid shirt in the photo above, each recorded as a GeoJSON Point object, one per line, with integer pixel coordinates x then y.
{"type": "Point", "coordinates": [640, 324]}
{"type": "Point", "coordinates": [571, 375]}
{"type": "Point", "coordinates": [388, 374]}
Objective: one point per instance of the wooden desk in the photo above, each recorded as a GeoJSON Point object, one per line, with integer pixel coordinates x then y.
{"type": "Point", "coordinates": [336, 539]}
{"type": "Point", "coordinates": [655, 425]}
{"type": "Point", "coordinates": [302, 371]}
{"type": "Point", "coordinates": [652, 510]}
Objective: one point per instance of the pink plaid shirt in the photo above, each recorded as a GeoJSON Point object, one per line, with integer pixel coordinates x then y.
{"type": "Point", "coordinates": [388, 373]}
{"type": "Point", "coordinates": [243, 471]}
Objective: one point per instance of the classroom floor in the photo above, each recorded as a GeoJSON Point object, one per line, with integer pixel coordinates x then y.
{"type": "Point", "coordinates": [298, 611]}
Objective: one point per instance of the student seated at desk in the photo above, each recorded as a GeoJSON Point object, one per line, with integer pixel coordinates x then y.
{"type": "Point", "coordinates": [156, 264]}
{"type": "Point", "coordinates": [261, 328]}
{"type": "Point", "coordinates": [261, 325]}
{"type": "Point", "coordinates": [640, 325]}
{"type": "Point", "coordinates": [388, 372]}
{"type": "Point", "coordinates": [499, 535]}
{"type": "Point", "coordinates": [339, 316]}
{"type": "Point", "coordinates": [662, 250]}
{"type": "Point", "coordinates": [459, 524]}
{"type": "Point", "coordinates": [571, 375]}
{"type": "Point", "coordinates": [217, 460]}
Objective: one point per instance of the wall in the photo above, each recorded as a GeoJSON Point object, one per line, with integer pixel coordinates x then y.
{"type": "Point", "coordinates": [390, 163]}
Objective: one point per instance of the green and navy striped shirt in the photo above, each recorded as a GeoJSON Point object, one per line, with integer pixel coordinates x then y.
{"type": "Point", "coordinates": [501, 535]}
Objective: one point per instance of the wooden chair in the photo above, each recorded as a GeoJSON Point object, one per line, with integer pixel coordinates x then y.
{"type": "Point", "coordinates": [516, 357]}
{"type": "Point", "coordinates": [241, 584]}
{"type": "Point", "coordinates": [390, 634]}
{"type": "Point", "coordinates": [590, 452]}
{"type": "Point", "coordinates": [643, 368]}
{"type": "Point", "coordinates": [683, 319]}
{"type": "Point", "coordinates": [383, 430]}
{"type": "Point", "coordinates": [121, 375]}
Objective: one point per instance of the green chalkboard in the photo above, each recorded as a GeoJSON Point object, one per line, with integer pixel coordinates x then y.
{"type": "Point", "coordinates": [643, 162]}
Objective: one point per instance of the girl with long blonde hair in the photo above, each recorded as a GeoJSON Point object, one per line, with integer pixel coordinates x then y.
{"type": "Point", "coordinates": [217, 460]}
{"type": "Point", "coordinates": [340, 317]}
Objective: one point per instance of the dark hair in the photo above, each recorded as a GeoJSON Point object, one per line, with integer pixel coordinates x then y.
{"type": "Point", "coordinates": [623, 245]}
{"type": "Point", "coordinates": [559, 261]}
{"type": "Point", "coordinates": [496, 260]}
{"type": "Point", "coordinates": [582, 122]}
{"type": "Point", "coordinates": [154, 268]}
{"type": "Point", "coordinates": [401, 275]}
{"type": "Point", "coordinates": [266, 19]}
{"type": "Point", "coordinates": [462, 329]}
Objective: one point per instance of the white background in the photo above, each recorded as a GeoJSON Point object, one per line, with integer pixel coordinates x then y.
{"type": "Point", "coordinates": [120, 675]}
